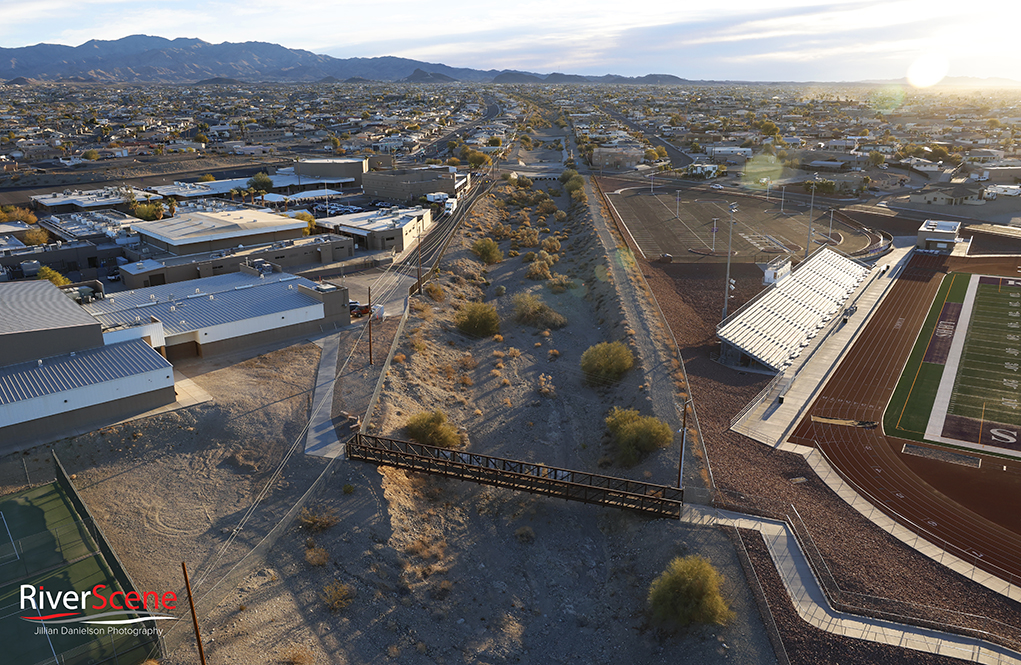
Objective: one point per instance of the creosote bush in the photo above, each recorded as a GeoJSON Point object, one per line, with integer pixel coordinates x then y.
{"type": "Point", "coordinates": [635, 434]}
{"type": "Point", "coordinates": [432, 428]}
{"type": "Point", "coordinates": [487, 250]}
{"type": "Point", "coordinates": [532, 311]}
{"type": "Point", "coordinates": [478, 319]}
{"type": "Point", "coordinates": [317, 518]}
{"type": "Point", "coordinates": [337, 595]}
{"type": "Point", "coordinates": [435, 291]}
{"type": "Point", "coordinates": [606, 362]}
{"type": "Point", "coordinates": [687, 592]}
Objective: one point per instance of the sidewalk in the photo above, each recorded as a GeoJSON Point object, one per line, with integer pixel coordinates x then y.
{"type": "Point", "coordinates": [321, 439]}
{"type": "Point", "coordinates": [811, 604]}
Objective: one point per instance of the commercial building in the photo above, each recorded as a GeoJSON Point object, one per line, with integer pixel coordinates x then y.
{"type": "Point", "coordinates": [254, 306]}
{"type": "Point", "coordinates": [200, 231]}
{"type": "Point", "coordinates": [617, 157]}
{"type": "Point", "coordinates": [409, 184]}
{"type": "Point", "coordinates": [55, 361]}
{"type": "Point", "coordinates": [154, 270]}
{"type": "Point", "coordinates": [76, 200]}
{"type": "Point", "coordinates": [951, 195]}
{"type": "Point", "coordinates": [393, 229]}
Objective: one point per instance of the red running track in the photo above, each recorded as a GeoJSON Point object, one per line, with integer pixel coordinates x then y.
{"type": "Point", "coordinates": [929, 497]}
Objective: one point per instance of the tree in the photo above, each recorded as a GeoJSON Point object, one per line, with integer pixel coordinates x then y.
{"type": "Point", "coordinates": [661, 152]}
{"type": "Point", "coordinates": [201, 138]}
{"type": "Point", "coordinates": [688, 591]}
{"type": "Point", "coordinates": [650, 155]}
{"type": "Point", "coordinates": [209, 177]}
{"type": "Point", "coordinates": [49, 273]}
{"type": "Point", "coordinates": [876, 158]}
{"type": "Point", "coordinates": [309, 220]}
{"type": "Point", "coordinates": [91, 155]}
{"type": "Point", "coordinates": [494, 142]}
{"type": "Point", "coordinates": [172, 206]}
{"type": "Point", "coordinates": [36, 236]}
{"type": "Point", "coordinates": [260, 181]}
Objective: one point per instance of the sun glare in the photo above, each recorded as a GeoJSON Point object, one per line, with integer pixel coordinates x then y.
{"type": "Point", "coordinates": [928, 70]}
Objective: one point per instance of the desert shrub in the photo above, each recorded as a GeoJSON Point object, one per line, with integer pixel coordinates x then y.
{"type": "Point", "coordinates": [337, 595]}
{"type": "Point", "coordinates": [546, 207]}
{"type": "Point", "coordinates": [316, 556]}
{"type": "Point", "coordinates": [317, 518]}
{"type": "Point", "coordinates": [546, 257]}
{"type": "Point", "coordinates": [635, 434]}
{"type": "Point", "coordinates": [538, 270]}
{"type": "Point", "coordinates": [559, 283]}
{"type": "Point", "coordinates": [478, 319]}
{"type": "Point", "coordinates": [530, 310]}
{"type": "Point", "coordinates": [348, 488]}
{"type": "Point", "coordinates": [528, 237]}
{"type": "Point", "coordinates": [435, 291]}
{"type": "Point", "coordinates": [528, 257]}
{"type": "Point", "coordinates": [579, 197]}
{"type": "Point", "coordinates": [525, 534]}
{"type": "Point", "coordinates": [487, 250]}
{"type": "Point", "coordinates": [687, 592]}
{"type": "Point", "coordinates": [551, 245]}
{"type": "Point", "coordinates": [545, 386]}
{"type": "Point", "coordinates": [606, 362]}
{"type": "Point", "coordinates": [399, 358]}
{"type": "Point", "coordinates": [432, 428]}
{"type": "Point", "coordinates": [293, 655]}
{"type": "Point", "coordinates": [576, 183]}
{"type": "Point", "coordinates": [560, 215]}
{"type": "Point", "coordinates": [500, 290]}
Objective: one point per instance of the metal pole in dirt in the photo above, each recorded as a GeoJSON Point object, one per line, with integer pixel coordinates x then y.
{"type": "Point", "coordinates": [420, 258]}
{"type": "Point", "coordinates": [684, 436]}
{"type": "Point", "coordinates": [370, 325]}
{"type": "Point", "coordinates": [194, 618]}
{"type": "Point", "coordinates": [730, 244]}
{"type": "Point", "coordinates": [783, 197]}
{"type": "Point", "coordinates": [678, 213]}
{"type": "Point", "coordinates": [831, 225]}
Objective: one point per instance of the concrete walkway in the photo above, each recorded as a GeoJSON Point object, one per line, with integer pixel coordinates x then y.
{"type": "Point", "coordinates": [321, 439]}
{"type": "Point", "coordinates": [811, 604]}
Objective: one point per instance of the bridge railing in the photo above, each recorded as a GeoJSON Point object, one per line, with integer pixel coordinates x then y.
{"type": "Point", "coordinates": [583, 486]}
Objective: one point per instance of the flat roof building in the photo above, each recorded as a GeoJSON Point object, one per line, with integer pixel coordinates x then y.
{"type": "Point", "coordinates": [76, 200]}
{"type": "Point", "coordinates": [385, 229]}
{"type": "Point", "coordinates": [194, 232]}
{"type": "Point", "coordinates": [938, 235]}
{"type": "Point", "coordinates": [409, 184]}
{"type": "Point", "coordinates": [225, 312]}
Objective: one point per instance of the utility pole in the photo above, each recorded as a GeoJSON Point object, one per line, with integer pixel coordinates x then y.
{"type": "Point", "coordinates": [194, 618]}
{"type": "Point", "coordinates": [716, 227]}
{"type": "Point", "coordinates": [830, 236]}
{"type": "Point", "coordinates": [370, 325]}
{"type": "Point", "coordinates": [420, 258]}
{"type": "Point", "coordinates": [783, 197]}
{"type": "Point", "coordinates": [727, 286]}
{"type": "Point", "coordinates": [678, 213]}
{"type": "Point", "coordinates": [684, 436]}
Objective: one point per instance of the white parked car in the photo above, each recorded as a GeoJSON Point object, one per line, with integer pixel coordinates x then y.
{"type": "Point", "coordinates": [716, 185]}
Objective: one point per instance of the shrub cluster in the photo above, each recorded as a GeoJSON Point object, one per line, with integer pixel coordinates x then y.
{"type": "Point", "coordinates": [636, 434]}
{"type": "Point", "coordinates": [477, 319]}
{"type": "Point", "coordinates": [531, 310]}
{"type": "Point", "coordinates": [687, 592]}
{"type": "Point", "coordinates": [487, 250]}
{"type": "Point", "coordinates": [606, 362]}
{"type": "Point", "coordinates": [432, 428]}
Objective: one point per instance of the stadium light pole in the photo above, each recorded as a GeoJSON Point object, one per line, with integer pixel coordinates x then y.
{"type": "Point", "coordinates": [730, 242]}
{"type": "Point", "coordinates": [811, 211]}
{"type": "Point", "coordinates": [684, 439]}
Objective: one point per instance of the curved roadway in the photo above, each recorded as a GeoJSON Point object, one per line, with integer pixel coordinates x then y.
{"type": "Point", "coordinates": [860, 389]}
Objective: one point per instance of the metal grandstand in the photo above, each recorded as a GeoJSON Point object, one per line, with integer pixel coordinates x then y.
{"type": "Point", "coordinates": [774, 327]}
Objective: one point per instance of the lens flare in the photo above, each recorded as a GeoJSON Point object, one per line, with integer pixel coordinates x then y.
{"type": "Point", "coordinates": [928, 70]}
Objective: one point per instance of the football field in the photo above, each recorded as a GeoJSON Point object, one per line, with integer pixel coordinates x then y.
{"type": "Point", "coordinates": [960, 385]}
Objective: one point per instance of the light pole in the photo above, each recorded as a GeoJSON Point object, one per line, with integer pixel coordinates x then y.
{"type": "Point", "coordinates": [811, 212]}
{"type": "Point", "coordinates": [715, 228]}
{"type": "Point", "coordinates": [830, 236]}
{"type": "Point", "coordinates": [783, 197]}
{"type": "Point", "coordinates": [678, 213]}
{"type": "Point", "coordinates": [730, 242]}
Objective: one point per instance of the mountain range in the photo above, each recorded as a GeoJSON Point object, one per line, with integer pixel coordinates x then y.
{"type": "Point", "coordinates": [144, 59]}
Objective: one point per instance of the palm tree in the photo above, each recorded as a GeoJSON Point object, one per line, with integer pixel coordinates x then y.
{"type": "Point", "coordinates": [172, 206]}
{"type": "Point", "coordinates": [251, 192]}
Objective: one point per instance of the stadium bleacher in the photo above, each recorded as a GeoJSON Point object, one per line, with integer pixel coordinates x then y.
{"type": "Point", "coordinates": [774, 327]}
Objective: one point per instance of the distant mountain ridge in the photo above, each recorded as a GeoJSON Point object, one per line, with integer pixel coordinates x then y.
{"type": "Point", "coordinates": [144, 59]}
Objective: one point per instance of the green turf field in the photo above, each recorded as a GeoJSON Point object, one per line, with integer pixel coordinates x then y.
{"type": "Point", "coordinates": [986, 386]}
{"type": "Point", "coordinates": [908, 411]}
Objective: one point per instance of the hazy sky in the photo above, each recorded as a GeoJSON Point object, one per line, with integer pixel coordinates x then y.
{"type": "Point", "coordinates": [799, 40]}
